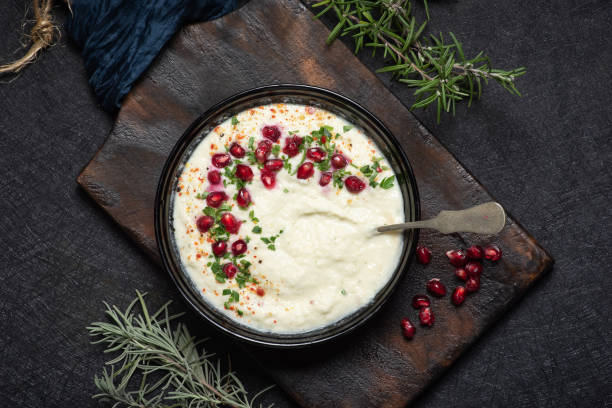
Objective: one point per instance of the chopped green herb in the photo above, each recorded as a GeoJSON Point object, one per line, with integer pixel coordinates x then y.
{"type": "Point", "coordinates": [293, 132]}
{"type": "Point", "coordinates": [271, 247]}
{"type": "Point", "coordinates": [343, 292]}
{"type": "Point", "coordinates": [285, 190]}
{"type": "Point", "coordinates": [235, 121]}
{"type": "Point", "coordinates": [346, 128]}
{"type": "Point", "coordinates": [387, 182]}
{"type": "Point", "coordinates": [202, 196]}
{"type": "Point", "coordinates": [276, 150]}
{"type": "Point", "coordinates": [257, 229]}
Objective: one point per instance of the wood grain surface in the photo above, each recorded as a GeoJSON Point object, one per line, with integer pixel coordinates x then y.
{"type": "Point", "coordinates": [278, 42]}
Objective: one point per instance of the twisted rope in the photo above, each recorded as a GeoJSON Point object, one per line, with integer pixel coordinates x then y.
{"type": "Point", "coordinates": [42, 35]}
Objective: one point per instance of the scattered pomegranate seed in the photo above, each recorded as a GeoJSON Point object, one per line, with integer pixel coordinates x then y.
{"type": "Point", "coordinates": [216, 198]}
{"type": "Point", "coordinates": [436, 288]}
{"type": "Point", "coordinates": [271, 132]}
{"type": "Point", "coordinates": [338, 161]}
{"type": "Point", "coordinates": [221, 160]}
{"type": "Point", "coordinates": [274, 164]}
{"type": "Point", "coordinates": [268, 178]}
{"type": "Point", "coordinates": [243, 198]}
{"type": "Point", "coordinates": [305, 171]}
{"type": "Point", "coordinates": [316, 154]}
{"type": "Point", "coordinates": [458, 295]}
{"type": "Point", "coordinates": [291, 149]}
{"type": "Point", "coordinates": [492, 253]}
{"type": "Point", "coordinates": [237, 151]}
{"type": "Point", "coordinates": [239, 247]}
{"type": "Point", "coordinates": [230, 270]}
{"type": "Point", "coordinates": [263, 151]}
{"type": "Point", "coordinates": [323, 139]}
{"type": "Point", "coordinates": [230, 223]}
{"type": "Point", "coordinates": [214, 177]}
{"type": "Point", "coordinates": [457, 257]}
{"type": "Point", "coordinates": [219, 248]}
{"type": "Point", "coordinates": [474, 268]}
{"type": "Point", "coordinates": [475, 252]}
{"type": "Point", "coordinates": [423, 255]}
{"type": "Point", "coordinates": [461, 273]}
{"type": "Point", "coordinates": [472, 284]}
{"type": "Point", "coordinates": [244, 172]}
{"type": "Point", "coordinates": [260, 291]}
{"type": "Point", "coordinates": [408, 328]}
{"type": "Point", "coordinates": [419, 301]}
{"type": "Point", "coordinates": [204, 223]}
{"type": "Point", "coordinates": [326, 177]}
{"type": "Point", "coordinates": [354, 184]}
{"type": "Point", "coordinates": [426, 316]}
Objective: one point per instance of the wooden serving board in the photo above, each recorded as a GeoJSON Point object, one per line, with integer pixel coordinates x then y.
{"type": "Point", "coordinates": [268, 42]}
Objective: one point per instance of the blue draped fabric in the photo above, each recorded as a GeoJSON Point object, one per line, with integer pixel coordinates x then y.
{"type": "Point", "coordinates": [120, 38]}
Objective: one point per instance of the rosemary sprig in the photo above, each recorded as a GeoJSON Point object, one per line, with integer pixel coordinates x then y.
{"type": "Point", "coordinates": [439, 70]}
{"type": "Point", "coordinates": [158, 366]}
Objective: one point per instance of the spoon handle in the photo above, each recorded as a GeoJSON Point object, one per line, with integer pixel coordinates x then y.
{"type": "Point", "coordinates": [487, 218]}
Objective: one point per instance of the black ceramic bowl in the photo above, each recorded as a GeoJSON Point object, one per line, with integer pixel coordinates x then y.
{"type": "Point", "coordinates": [299, 94]}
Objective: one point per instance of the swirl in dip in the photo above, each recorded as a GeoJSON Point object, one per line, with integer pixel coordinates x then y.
{"type": "Point", "coordinates": [274, 216]}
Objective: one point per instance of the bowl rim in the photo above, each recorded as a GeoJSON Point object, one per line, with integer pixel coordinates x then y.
{"type": "Point", "coordinates": [233, 328]}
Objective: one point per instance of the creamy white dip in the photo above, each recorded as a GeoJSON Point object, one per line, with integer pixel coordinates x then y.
{"type": "Point", "coordinates": [327, 262]}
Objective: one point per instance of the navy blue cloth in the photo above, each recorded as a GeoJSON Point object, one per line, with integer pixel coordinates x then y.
{"type": "Point", "coordinates": [120, 38]}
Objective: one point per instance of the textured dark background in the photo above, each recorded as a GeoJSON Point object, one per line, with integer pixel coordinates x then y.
{"type": "Point", "coordinates": [546, 157]}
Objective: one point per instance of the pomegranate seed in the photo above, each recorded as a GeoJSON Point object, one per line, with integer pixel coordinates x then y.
{"type": "Point", "coordinates": [230, 223]}
{"type": "Point", "coordinates": [214, 177]}
{"type": "Point", "coordinates": [492, 253]}
{"type": "Point", "coordinates": [243, 198]}
{"type": "Point", "coordinates": [268, 178]}
{"type": "Point", "coordinates": [457, 257]}
{"type": "Point", "coordinates": [436, 288]}
{"type": "Point", "coordinates": [338, 161]}
{"type": "Point", "coordinates": [472, 284]}
{"type": "Point", "coordinates": [239, 247]}
{"type": "Point", "coordinates": [326, 177]}
{"type": "Point", "coordinates": [461, 273]}
{"type": "Point", "coordinates": [219, 248]}
{"type": "Point", "coordinates": [291, 149]}
{"type": "Point", "coordinates": [408, 328]}
{"type": "Point", "coordinates": [263, 151]}
{"type": "Point", "coordinates": [236, 150]}
{"type": "Point", "coordinates": [305, 171]}
{"type": "Point", "coordinates": [274, 164]}
{"type": "Point", "coordinates": [423, 255]}
{"type": "Point", "coordinates": [458, 295]}
{"type": "Point", "coordinates": [230, 270]}
{"type": "Point", "coordinates": [296, 139]}
{"type": "Point", "coordinates": [474, 268]}
{"type": "Point", "coordinates": [216, 198]}
{"type": "Point", "coordinates": [244, 172]}
{"type": "Point", "coordinates": [221, 160]}
{"type": "Point", "coordinates": [419, 301]}
{"type": "Point", "coordinates": [204, 223]}
{"type": "Point", "coordinates": [475, 253]}
{"type": "Point", "coordinates": [271, 132]}
{"type": "Point", "coordinates": [354, 184]}
{"type": "Point", "coordinates": [426, 316]}
{"type": "Point", "coordinates": [316, 154]}
{"type": "Point", "coordinates": [260, 291]}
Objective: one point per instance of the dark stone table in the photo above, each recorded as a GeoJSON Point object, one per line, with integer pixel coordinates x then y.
{"type": "Point", "coordinates": [547, 157]}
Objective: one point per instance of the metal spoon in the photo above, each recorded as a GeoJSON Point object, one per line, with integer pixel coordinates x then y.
{"type": "Point", "coordinates": [487, 218]}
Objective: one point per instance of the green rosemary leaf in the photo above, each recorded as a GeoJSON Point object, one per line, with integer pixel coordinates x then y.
{"type": "Point", "coordinates": [154, 345]}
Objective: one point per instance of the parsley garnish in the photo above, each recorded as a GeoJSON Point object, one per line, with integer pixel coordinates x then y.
{"type": "Point", "coordinates": [343, 292]}
{"type": "Point", "coordinates": [346, 128]}
{"type": "Point", "coordinates": [257, 229]}
{"type": "Point", "coordinates": [235, 121]}
{"type": "Point", "coordinates": [234, 297]}
{"type": "Point", "coordinates": [387, 182]}
{"type": "Point", "coordinates": [202, 196]}
{"type": "Point", "coordinates": [269, 241]}
{"type": "Point", "coordinates": [276, 150]}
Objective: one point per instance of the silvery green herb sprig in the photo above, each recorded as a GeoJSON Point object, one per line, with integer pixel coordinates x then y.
{"type": "Point", "coordinates": [436, 67]}
{"type": "Point", "coordinates": [157, 364]}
